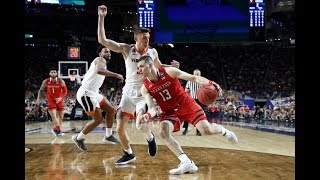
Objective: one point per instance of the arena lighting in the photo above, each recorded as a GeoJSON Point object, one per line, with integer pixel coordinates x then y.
{"type": "Point", "coordinates": [171, 45]}
{"type": "Point", "coordinates": [28, 36]}
{"type": "Point", "coordinates": [292, 41]}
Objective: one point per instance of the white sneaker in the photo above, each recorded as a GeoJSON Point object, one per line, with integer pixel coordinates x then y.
{"type": "Point", "coordinates": [186, 167]}
{"type": "Point", "coordinates": [230, 135]}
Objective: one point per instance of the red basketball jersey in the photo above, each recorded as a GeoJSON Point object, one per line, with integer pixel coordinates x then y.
{"type": "Point", "coordinates": [168, 92]}
{"type": "Point", "coordinates": [54, 88]}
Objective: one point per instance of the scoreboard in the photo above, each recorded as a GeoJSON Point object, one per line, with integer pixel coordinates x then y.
{"type": "Point", "coordinates": [145, 13]}
{"type": "Point", "coordinates": [256, 13]}
{"type": "Point", "coordinates": [73, 52]}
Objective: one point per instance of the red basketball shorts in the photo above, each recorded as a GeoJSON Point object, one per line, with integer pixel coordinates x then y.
{"type": "Point", "coordinates": [188, 110]}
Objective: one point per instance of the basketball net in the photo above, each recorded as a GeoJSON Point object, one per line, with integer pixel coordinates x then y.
{"type": "Point", "coordinates": [72, 77]}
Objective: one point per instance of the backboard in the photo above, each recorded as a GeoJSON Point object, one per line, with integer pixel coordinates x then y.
{"type": "Point", "coordinates": [65, 68]}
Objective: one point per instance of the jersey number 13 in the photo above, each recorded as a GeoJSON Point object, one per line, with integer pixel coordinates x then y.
{"type": "Point", "coordinates": [165, 94]}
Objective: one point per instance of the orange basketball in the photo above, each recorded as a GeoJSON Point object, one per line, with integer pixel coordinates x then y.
{"type": "Point", "coordinates": [207, 94]}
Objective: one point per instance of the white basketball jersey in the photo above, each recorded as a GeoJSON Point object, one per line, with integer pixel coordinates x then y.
{"type": "Point", "coordinates": [92, 81]}
{"type": "Point", "coordinates": [132, 78]}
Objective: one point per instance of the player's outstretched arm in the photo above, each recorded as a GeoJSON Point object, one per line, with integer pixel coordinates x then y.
{"type": "Point", "coordinates": [112, 45]}
{"type": "Point", "coordinates": [101, 69]}
{"type": "Point", "coordinates": [152, 110]}
{"type": "Point", "coordinates": [177, 73]}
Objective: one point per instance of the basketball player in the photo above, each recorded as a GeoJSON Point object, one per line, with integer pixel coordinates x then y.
{"type": "Point", "coordinates": [191, 88]}
{"type": "Point", "coordinates": [164, 86]}
{"type": "Point", "coordinates": [92, 101]}
{"type": "Point", "coordinates": [56, 91]}
{"type": "Point", "coordinates": [131, 100]}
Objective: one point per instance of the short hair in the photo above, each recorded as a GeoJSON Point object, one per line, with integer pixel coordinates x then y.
{"type": "Point", "coordinates": [100, 49]}
{"type": "Point", "coordinates": [146, 58]}
{"type": "Point", "coordinates": [140, 30]}
{"type": "Point", "coordinates": [53, 69]}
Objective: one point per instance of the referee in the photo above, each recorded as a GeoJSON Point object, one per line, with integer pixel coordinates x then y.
{"type": "Point", "coordinates": [191, 88]}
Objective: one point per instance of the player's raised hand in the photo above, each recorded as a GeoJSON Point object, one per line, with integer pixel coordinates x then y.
{"type": "Point", "coordinates": [102, 10]}
{"type": "Point", "coordinates": [175, 64]}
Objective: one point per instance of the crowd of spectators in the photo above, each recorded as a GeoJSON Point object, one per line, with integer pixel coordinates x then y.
{"type": "Point", "coordinates": [258, 71]}
{"type": "Point", "coordinates": [283, 110]}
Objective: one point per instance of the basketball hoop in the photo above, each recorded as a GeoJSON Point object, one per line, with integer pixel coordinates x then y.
{"type": "Point", "coordinates": [72, 77]}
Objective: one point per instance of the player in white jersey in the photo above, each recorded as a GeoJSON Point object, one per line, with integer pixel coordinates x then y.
{"type": "Point", "coordinates": [131, 100]}
{"type": "Point", "coordinates": [92, 101]}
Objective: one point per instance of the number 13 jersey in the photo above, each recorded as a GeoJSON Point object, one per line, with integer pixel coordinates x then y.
{"type": "Point", "coordinates": [167, 91]}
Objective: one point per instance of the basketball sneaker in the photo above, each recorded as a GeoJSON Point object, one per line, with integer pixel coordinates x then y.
{"type": "Point", "coordinates": [199, 133]}
{"type": "Point", "coordinates": [80, 143]}
{"type": "Point", "coordinates": [185, 132]}
{"type": "Point", "coordinates": [111, 139]}
{"type": "Point", "coordinates": [60, 133]}
{"type": "Point", "coordinates": [230, 135]}
{"type": "Point", "coordinates": [126, 158]}
{"type": "Point", "coordinates": [152, 146]}
{"type": "Point", "coordinates": [185, 167]}
{"type": "Point", "coordinates": [57, 133]}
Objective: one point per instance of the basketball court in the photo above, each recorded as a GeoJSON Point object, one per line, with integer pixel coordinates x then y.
{"type": "Point", "coordinates": [258, 155]}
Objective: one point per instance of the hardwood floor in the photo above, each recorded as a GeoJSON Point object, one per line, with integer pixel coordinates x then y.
{"type": "Point", "coordinates": [258, 155]}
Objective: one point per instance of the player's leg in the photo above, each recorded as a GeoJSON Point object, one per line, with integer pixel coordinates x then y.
{"type": "Point", "coordinates": [90, 126]}
{"type": "Point", "coordinates": [185, 126]}
{"type": "Point", "coordinates": [60, 115]}
{"type": "Point", "coordinates": [193, 113]}
{"type": "Point", "coordinates": [209, 129]}
{"type": "Point", "coordinates": [122, 121]}
{"type": "Point", "coordinates": [166, 128]}
{"type": "Point", "coordinates": [124, 113]}
{"type": "Point", "coordinates": [204, 108]}
{"type": "Point", "coordinates": [141, 108]}
{"type": "Point", "coordinates": [109, 118]}
{"type": "Point", "coordinates": [89, 102]}
{"type": "Point", "coordinates": [52, 109]}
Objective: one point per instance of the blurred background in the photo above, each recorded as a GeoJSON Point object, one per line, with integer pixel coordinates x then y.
{"type": "Point", "coordinates": [245, 46]}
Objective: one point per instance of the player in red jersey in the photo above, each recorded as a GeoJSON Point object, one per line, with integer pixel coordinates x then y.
{"type": "Point", "coordinates": [177, 106]}
{"type": "Point", "coordinates": [56, 90]}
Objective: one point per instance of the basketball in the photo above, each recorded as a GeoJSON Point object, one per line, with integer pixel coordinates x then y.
{"type": "Point", "coordinates": [207, 94]}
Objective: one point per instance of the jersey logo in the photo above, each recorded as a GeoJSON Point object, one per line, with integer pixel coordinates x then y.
{"type": "Point", "coordinates": [134, 60]}
{"type": "Point", "coordinates": [161, 75]}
